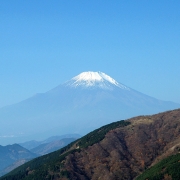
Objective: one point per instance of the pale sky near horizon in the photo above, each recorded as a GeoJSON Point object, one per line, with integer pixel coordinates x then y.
{"type": "Point", "coordinates": [45, 43]}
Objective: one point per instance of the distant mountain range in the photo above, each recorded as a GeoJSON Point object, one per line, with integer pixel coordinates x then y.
{"type": "Point", "coordinates": [145, 145]}
{"type": "Point", "coordinates": [12, 156]}
{"type": "Point", "coordinates": [87, 101]}
{"type": "Point", "coordinates": [51, 146]}
{"type": "Point", "coordinates": [34, 143]}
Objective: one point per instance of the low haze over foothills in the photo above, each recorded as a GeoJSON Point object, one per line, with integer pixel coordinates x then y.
{"type": "Point", "coordinates": [80, 105]}
{"type": "Point", "coordinates": [70, 67]}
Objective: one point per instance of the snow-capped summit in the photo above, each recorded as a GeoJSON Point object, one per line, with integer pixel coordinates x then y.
{"type": "Point", "coordinates": [98, 79]}
{"type": "Point", "coordinates": [82, 104]}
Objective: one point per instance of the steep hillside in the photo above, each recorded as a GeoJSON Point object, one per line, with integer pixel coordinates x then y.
{"type": "Point", "coordinates": [167, 169]}
{"type": "Point", "coordinates": [120, 150]}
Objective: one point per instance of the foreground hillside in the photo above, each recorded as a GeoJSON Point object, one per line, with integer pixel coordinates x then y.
{"type": "Point", "coordinates": [167, 169]}
{"type": "Point", "coordinates": [121, 150]}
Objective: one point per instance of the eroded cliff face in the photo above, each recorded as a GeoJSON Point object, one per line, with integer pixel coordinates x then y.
{"type": "Point", "coordinates": [126, 152]}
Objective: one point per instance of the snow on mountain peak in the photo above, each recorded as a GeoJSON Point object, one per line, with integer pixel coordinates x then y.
{"type": "Point", "coordinates": [99, 79]}
{"type": "Point", "coordinates": [90, 77]}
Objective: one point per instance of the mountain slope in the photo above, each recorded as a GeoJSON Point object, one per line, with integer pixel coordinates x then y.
{"type": "Point", "coordinates": [13, 166]}
{"type": "Point", "coordinates": [12, 156]}
{"type": "Point", "coordinates": [120, 150]}
{"type": "Point", "coordinates": [54, 161]}
{"type": "Point", "coordinates": [51, 146]}
{"type": "Point", "coordinates": [33, 143]}
{"type": "Point", "coordinates": [12, 153]}
{"type": "Point", "coordinates": [92, 98]}
{"type": "Point", "coordinates": [167, 169]}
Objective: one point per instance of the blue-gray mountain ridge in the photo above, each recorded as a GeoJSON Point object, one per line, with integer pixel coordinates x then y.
{"type": "Point", "coordinates": [87, 101]}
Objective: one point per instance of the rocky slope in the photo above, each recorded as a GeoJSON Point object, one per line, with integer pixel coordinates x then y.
{"type": "Point", "coordinates": [116, 151]}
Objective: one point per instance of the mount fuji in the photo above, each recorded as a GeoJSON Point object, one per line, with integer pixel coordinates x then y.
{"type": "Point", "coordinates": [87, 101]}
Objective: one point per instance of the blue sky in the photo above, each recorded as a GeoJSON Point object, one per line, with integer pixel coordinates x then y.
{"type": "Point", "coordinates": [44, 43]}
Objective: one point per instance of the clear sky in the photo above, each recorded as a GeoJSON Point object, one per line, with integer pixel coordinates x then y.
{"type": "Point", "coordinates": [44, 43]}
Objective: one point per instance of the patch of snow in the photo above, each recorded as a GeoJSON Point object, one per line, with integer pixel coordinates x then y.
{"type": "Point", "coordinates": [99, 79]}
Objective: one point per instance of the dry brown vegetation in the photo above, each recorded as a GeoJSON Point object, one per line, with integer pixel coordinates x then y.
{"type": "Point", "coordinates": [123, 153]}
{"type": "Point", "coordinates": [126, 152]}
